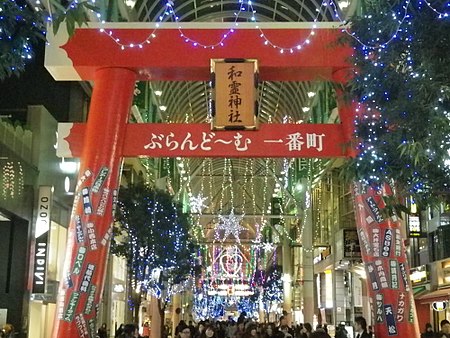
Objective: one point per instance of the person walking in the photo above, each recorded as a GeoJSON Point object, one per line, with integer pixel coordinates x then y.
{"type": "Point", "coordinates": [251, 331]}
{"type": "Point", "coordinates": [285, 328]}
{"type": "Point", "coordinates": [7, 331]}
{"type": "Point", "coordinates": [184, 331]}
{"type": "Point", "coordinates": [341, 332]}
{"type": "Point", "coordinates": [361, 328]}
{"type": "Point", "coordinates": [102, 332]}
{"type": "Point", "coordinates": [209, 332]}
{"type": "Point", "coordinates": [320, 334]}
{"type": "Point", "coordinates": [306, 330]}
{"type": "Point", "coordinates": [428, 333]}
{"type": "Point", "coordinates": [129, 331]}
{"type": "Point", "coordinates": [445, 329]}
{"type": "Point", "coordinates": [146, 330]}
{"type": "Point", "coordinates": [119, 331]}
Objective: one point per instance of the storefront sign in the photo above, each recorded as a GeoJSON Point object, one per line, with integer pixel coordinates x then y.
{"type": "Point", "coordinates": [439, 306]}
{"type": "Point", "coordinates": [234, 94]}
{"type": "Point", "coordinates": [414, 226]}
{"type": "Point", "coordinates": [42, 228]}
{"type": "Point", "coordinates": [351, 244]}
{"type": "Point", "coordinates": [419, 275]}
{"type": "Point", "coordinates": [198, 140]}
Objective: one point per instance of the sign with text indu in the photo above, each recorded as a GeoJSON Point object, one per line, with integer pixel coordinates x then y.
{"type": "Point", "coordinates": [234, 98]}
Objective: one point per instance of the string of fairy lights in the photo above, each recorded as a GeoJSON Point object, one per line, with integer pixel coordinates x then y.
{"type": "Point", "coordinates": [170, 14]}
{"type": "Point", "coordinates": [221, 256]}
{"type": "Point", "coordinates": [12, 179]}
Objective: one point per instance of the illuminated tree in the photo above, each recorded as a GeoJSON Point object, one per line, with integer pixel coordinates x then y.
{"type": "Point", "coordinates": [401, 57]}
{"type": "Point", "coordinates": [152, 234]}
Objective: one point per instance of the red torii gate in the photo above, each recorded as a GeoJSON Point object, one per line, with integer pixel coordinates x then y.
{"type": "Point", "coordinates": [92, 54]}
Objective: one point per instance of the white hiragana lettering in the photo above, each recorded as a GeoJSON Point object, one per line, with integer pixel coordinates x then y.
{"type": "Point", "coordinates": [237, 142]}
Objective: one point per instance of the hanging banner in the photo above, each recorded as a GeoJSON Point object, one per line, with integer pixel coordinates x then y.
{"type": "Point", "coordinates": [384, 257]}
{"type": "Point", "coordinates": [234, 94]}
{"type": "Point", "coordinates": [197, 140]}
{"type": "Point", "coordinates": [41, 233]}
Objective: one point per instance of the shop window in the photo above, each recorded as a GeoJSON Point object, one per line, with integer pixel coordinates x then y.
{"type": "Point", "coordinates": [439, 243]}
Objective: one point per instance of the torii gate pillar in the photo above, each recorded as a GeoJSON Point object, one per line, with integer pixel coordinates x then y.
{"type": "Point", "coordinates": [100, 168]}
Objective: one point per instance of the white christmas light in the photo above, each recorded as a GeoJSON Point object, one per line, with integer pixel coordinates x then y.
{"type": "Point", "coordinates": [230, 225]}
{"type": "Point", "coordinates": [197, 203]}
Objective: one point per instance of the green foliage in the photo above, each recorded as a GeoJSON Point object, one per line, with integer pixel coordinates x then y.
{"type": "Point", "coordinates": [404, 85]}
{"type": "Point", "coordinates": [20, 28]}
{"type": "Point", "coordinates": [152, 233]}
{"type": "Point", "coordinates": [73, 15]}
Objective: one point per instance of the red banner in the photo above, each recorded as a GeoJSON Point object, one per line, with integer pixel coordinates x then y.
{"type": "Point", "coordinates": [198, 140]}
{"type": "Point", "coordinates": [384, 256]}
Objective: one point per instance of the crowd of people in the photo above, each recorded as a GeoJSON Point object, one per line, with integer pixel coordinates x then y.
{"type": "Point", "coordinates": [244, 328]}
{"type": "Point", "coordinates": [443, 333]}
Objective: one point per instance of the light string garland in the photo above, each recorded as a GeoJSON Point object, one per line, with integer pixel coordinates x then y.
{"type": "Point", "coordinates": [169, 12]}
{"type": "Point", "coordinates": [223, 187]}
{"type": "Point", "coordinates": [12, 179]}
{"type": "Point", "coordinates": [73, 12]}
{"type": "Point", "coordinates": [306, 206]}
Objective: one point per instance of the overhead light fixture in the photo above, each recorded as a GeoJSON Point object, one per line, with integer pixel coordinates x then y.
{"type": "Point", "coordinates": [306, 109]}
{"type": "Point", "coordinates": [67, 184]}
{"type": "Point", "coordinates": [158, 92]}
{"type": "Point", "coordinates": [118, 288]}
{"type": "Point", "coordinates": [311, 94]}
{"type": "Point", "coordinates": [68, 167]}
{"type": "Point", "coordinates": [130, 3]}
{"type": "Point", "coordinates": [344, 4]}
{"type": "Point", "coordinates": [162, 108]}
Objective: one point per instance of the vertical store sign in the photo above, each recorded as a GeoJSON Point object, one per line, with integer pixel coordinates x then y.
{"type": "Point", "coordinates": [351, 244]}
{"type": "Point", "coordinates": [42, 228]}
{"type": "Point", "coordinates": [414, 226]}
{"type": "Point", "coordinates": [234, 93]}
